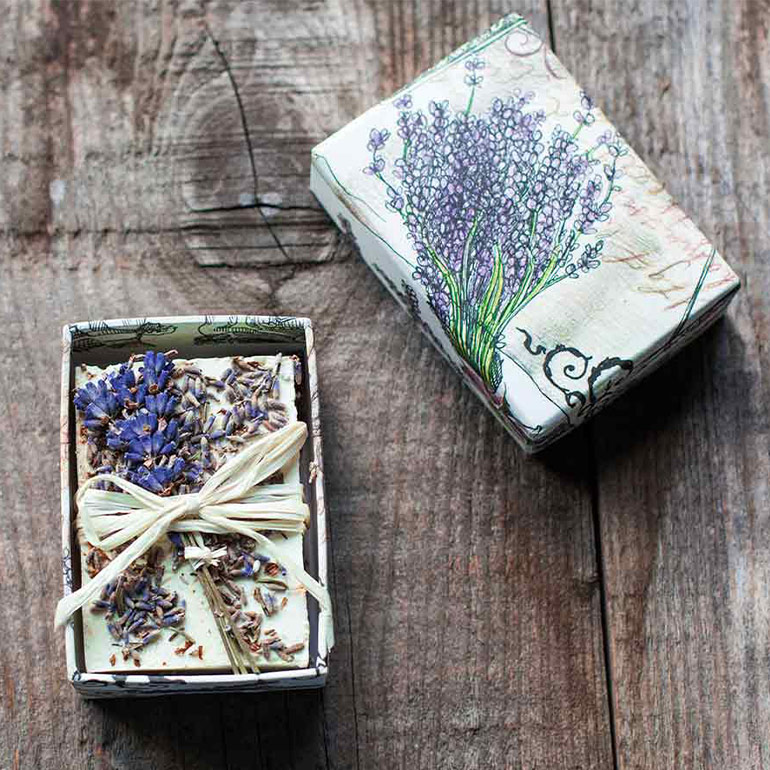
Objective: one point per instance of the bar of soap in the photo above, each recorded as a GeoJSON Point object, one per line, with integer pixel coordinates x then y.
{"type": "Point", "coordinates": [195, 643]}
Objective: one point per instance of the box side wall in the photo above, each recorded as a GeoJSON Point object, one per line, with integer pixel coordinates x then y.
{"type": "Point", "coordinates": [71, 646]}
{"type": "Point", "coordinates": [105, 686]}
{"type": "Point", "coordinates": [112, 341]}
{"type": "Point", "coordinates": [316, 478]}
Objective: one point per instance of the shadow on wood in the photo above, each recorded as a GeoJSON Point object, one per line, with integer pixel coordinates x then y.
{"type": "Point", "coordinates": [260, 730]}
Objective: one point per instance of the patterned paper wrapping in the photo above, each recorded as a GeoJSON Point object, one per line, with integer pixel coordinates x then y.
{"type": "Point", "coordinates": [533, 246]}
{"type": "Point", "coordinates": [104, 342]}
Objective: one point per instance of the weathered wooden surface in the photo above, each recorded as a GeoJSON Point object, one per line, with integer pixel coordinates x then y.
{"type": "Point", "coordinates": [155, 160]}
{"type": "Point", "coordinates": [683, 498]}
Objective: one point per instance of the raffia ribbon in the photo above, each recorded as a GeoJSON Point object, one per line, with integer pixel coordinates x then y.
{"type": "Point", "coordinates": [230, 502]}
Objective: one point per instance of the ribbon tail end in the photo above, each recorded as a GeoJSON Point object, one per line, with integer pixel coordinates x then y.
{"type": "Point", "coordinates": [61, 617]}
{"type": "Point", "coordinates": [326, 628]}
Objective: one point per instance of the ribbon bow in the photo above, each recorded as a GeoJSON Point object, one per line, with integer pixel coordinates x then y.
{"type": "Point", "coordinates": [230, 502]}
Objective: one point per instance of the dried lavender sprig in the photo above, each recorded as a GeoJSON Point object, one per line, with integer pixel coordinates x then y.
{"type": "Point", "coordinates": [239, 653]}
{"type": "Point", "coordinates": [211, 596]}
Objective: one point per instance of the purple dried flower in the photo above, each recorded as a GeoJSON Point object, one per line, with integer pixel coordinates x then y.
{"type": "Point", "coordinates": [135, 420]}
{"type": "Point", "coordinates": [97, 401]}
{"type": "Point", "coordinates": [156, 371]}
{"type": "Point", "coordinates": [124, 384]}
{"type": "Point", "coordinates": [135, 427]}
{"type": "Point", "coordinates": [157, 479]}
{"type": "Point", "coordinates": [161, 405]}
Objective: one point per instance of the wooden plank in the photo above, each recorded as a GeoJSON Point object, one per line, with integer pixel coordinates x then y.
{"type": "Point", "coordinates": [683, 462]}
{"type": "Point", "coordinates": [465, 583]}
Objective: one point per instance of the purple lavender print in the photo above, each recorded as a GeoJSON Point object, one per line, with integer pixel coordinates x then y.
{"type": "Point", "coordinates": [496, 212]}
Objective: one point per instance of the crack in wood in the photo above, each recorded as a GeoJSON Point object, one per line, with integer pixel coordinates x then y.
{"type": "Point", "coordinates": [247, 136]}
{"type": "Point", "coordinates": [353, 679]}
{"type": "Point", "coordinates": [551, 33]}
{"type": "Point", "coordinates": [322, 698]}
{"type": "Point", "coordinates": [258, 204]}
{"type": "Point", "coordinates": [191, 227]}
{"type": "Point", "coordinates": [304, 264]}
{"type": "Point", "coordinates": [596, 521]}
{"type": "Point", "coordinates": [593, 469]}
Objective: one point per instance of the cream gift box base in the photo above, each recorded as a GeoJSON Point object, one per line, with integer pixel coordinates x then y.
{"type": "Point", "coordinates": [532, 245]}
{"type": "Point", "coordinates": [207, 652]}
{"type": "Point", "coordinates": [111, 342]}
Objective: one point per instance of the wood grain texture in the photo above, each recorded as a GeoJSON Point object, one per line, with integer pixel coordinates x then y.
{"type": "Point", "coordinates": [683, 499]}
{"type": "Point", "coordinates": [155, 160]}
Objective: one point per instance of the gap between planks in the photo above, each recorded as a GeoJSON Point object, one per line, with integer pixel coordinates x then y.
{"type": "Point", "coordinates": [596, 524]}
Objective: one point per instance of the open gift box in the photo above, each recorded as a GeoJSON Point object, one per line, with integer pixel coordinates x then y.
{"type": "Point", "coordinates": [105, 344]}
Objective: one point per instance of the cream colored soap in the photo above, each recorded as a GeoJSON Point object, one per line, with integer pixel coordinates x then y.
{"type": "Point", "coordinates": [207, 653]}
{"type": "Point", "coordinates": [510, 218]}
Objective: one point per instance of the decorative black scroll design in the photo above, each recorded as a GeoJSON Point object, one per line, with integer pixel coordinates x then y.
{"type": "Point", "coordinates": [240, 329]}
{"type": "Point", "coordinates": [66, 565]}
{"type": "Point", "coordinates": [571, 372]}
{"type": "Point", "coordinates": [100, 334]}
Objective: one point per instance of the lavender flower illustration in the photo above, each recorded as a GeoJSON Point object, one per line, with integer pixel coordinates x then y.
{"type": "Point", "coordinates": [497, 213]}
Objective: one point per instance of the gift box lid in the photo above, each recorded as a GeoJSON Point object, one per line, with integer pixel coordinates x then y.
{"type": "Point", "coordinates": [511, 219]}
